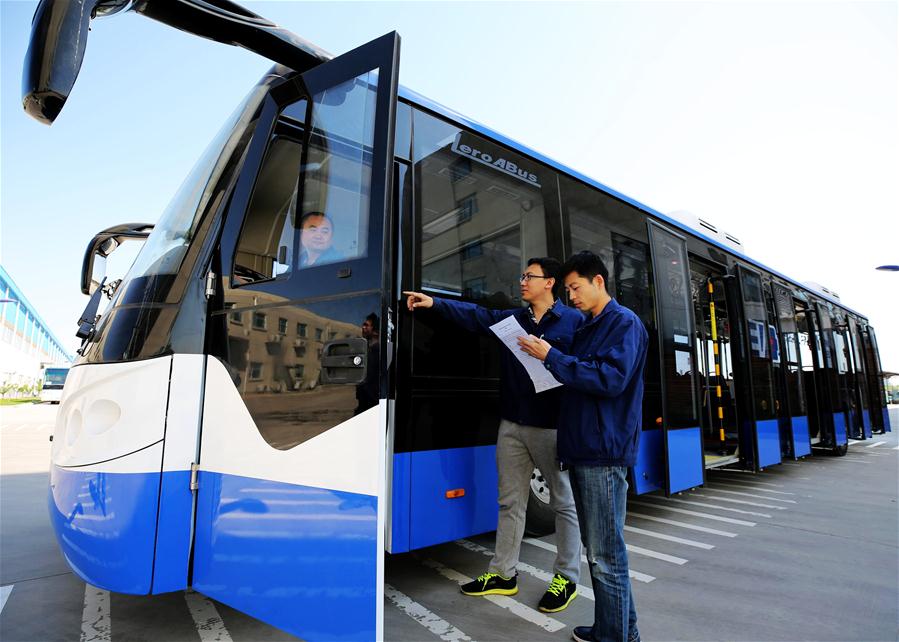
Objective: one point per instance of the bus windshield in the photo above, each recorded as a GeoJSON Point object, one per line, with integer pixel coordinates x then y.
{"type": "Point", "coordinates": [55, 376]}
{"type": "Point", "coordinates": [167, 245]}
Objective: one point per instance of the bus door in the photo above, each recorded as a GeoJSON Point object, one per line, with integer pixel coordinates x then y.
{"type": "Point", "coordinates": [831, 410]}
{"type": "Point", "coordinates": [860, 379]}
{"type": "Point", "coordinates": [759, 417]}
{"type": "Point", "coordinates": [714, 366]}
{"type": "Point", "coordinates": [682, 433]}
{"type": "Point", "coordinates": [845, 376]}
{"type": "Point", "coordinates": [809, 360]}
{"type": "Point", "coordinates": [795, 440]}
{"type": "Point", "coordinates": [880, 416]}
{"type": "Point", "coordinates": [290, 507]}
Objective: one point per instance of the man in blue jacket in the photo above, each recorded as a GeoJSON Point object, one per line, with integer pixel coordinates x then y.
{"type": "Point", "coordinates": [527, 434]}
{"type": "Point", "coordinates": [599, 430]}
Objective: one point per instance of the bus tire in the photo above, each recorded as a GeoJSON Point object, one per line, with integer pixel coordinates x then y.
{"type": "Point", "coordinates": [541, 518]}
{"type": "Point", "coordinates": [840, 451]}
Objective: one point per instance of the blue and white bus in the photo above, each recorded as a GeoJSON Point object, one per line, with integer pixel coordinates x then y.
{"type": "Point", "coordinates": [257, 417]}
{"type": "Point", "coordinates": [52, 383]}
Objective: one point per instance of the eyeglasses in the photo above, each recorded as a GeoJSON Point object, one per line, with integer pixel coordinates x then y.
{"type": "Point", "coordinates": [527, 276]}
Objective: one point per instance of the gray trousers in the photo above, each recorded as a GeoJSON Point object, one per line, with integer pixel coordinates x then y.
{"type": "Point", "coordinates": [519, 449]}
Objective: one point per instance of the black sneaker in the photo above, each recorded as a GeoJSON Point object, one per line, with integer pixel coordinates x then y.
{"type": "Point", "coordinates": [582, 634]}
{"type": "Point", "coordinates": [559, 594]}
{"type": "Point", "coordinates": [492, 584]}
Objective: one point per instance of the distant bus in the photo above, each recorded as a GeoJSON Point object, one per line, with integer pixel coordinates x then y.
{"type": "Point", "coordinates": [54, 380]}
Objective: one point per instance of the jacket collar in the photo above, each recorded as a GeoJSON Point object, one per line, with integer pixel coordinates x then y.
{"type": "Point", "coordinates": [611, 305]}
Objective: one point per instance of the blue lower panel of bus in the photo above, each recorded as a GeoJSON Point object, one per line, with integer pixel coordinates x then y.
{"type": "Point", "coordinates": [886, 420]}
{"type": "Point", "coordinates": [866, 424]}
{"type": "Point", "coordinates": [685, 459]}
{"type": "Point", "coordinates": [801, 442]}
{"type": "Point", "coordinates": [106, 526]}
{"type": "Point", "coordinates": [839, 428]}
{"type": "Point", "coordinates": [767, 434]}
{"type": "Point", "coordinates": [300, 558]}
{"type": "Point", "coordinates": [173, 535]}
{"type": "Point", "coordinates": [422, 513]}
{"type": "Point", "coordinates": [649, 472]}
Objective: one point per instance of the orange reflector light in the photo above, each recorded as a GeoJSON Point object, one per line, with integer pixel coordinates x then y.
{"type": "Point", "coordinates": [455, 492]}
{"type": "Point", "coordinates": [658, 421]}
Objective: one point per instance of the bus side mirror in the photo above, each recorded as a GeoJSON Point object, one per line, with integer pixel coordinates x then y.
{"type": "Point", "coordinates": [93, 268]}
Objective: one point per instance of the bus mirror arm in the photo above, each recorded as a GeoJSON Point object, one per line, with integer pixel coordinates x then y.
{"type": "Point", "coordinates": [87, 322]}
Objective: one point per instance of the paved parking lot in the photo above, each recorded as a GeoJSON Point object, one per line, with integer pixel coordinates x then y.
{"type": "Point", "coordinates": [803, 551]}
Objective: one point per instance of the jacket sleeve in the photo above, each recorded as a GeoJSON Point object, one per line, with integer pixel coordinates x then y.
{"type": "Point", "coordinates": [473, 318]}
{"type": "Point", "coordinates": [608, 368]}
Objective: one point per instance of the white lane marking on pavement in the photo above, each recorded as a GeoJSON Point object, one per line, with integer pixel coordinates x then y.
{"type": "Point", "coordinates": [684, 511]}
{"type": "Point", "coordinates": [539, 573]}
{"type": "Point", "coordinates": [41, 427]}
{"type": "Point", "coordinates": [23, 426]}
{"type": "Point", "coordinates": [876, 444]}
{"type": "Point", "coordinates": [96, 625]}
{"type": "Point", "coordinates": [525, 612]}
{"type": "Point", "coordinates": [673, 559]}
{"type": "Point", "coordinates": [4, 595]}
{"type": "Point", "coordinates": [895, 447]}
{"type": "Point", "coordinates": [717, 507]}
{"type": "Point", "coordinates": [747, 477]}
{"type": "Point", "coordinates": [738, 501]}
{"type": "Point", "coordinates": [206, 618]}
{"type": "Point", "coordinates": [669, 538]}
{"type": "Point", "coordinates": [692, 527]}
{"type": "Point", "coordinates": [635, 575]}
{"type": "Point", "coordinates": [432, 622]}
{"type": "Point", "coordinates": [755, 488]}
{"type": "Point", "coordinates": [736, 492]}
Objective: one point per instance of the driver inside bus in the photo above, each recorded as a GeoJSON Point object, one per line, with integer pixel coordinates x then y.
{"type": "Point", "coordinates": [316, 239]}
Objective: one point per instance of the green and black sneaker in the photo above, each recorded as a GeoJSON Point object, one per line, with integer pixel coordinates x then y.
{"type": "Point", "coordinates": [559, 595]}
{"type": "Point", "coordinates": [492, 584]}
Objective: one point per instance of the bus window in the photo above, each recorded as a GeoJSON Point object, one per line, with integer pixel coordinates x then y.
{"type": "Point", "coordinates": [759, 345]}
{"type": "Point", "coordinates": [265, 248]}
{"type": "Point", "coordinates": [617, 233]}
{"type": "Point", "coordinates": [480, 215]}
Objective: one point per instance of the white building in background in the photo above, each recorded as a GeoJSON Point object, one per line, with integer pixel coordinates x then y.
{"type": "Point", "coordinates": [26, 342]}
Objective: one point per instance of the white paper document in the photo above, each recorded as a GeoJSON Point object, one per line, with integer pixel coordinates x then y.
{"type": "Point", "coordinates": [508, 330]}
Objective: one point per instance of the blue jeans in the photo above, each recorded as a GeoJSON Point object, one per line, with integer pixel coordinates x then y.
{"type": "Point", "coordinates": [600, 497]}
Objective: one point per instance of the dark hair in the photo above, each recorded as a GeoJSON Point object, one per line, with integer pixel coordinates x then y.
{"type": "Point", "coordinates": [375, 321]}
{"type": "Point", "coordinates": [587, 265]}
{"type": "Point", "coordinates": [309, 215]}
{"type": "Point", "coordinates": [550, 267]}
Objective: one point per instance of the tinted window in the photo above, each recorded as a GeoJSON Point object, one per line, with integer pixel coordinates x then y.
{"type": "Point", "coordinates": [480, 214]}
{"type": "Point", "coordinates": [760, 345]}
{"type": "Point", "coordinates": [675, 327]}
{"type": "Point", "coordinates": [617, 233]}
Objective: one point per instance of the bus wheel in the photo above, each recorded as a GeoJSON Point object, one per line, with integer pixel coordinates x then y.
{"type": "Point", "coordinates": [541, 519]}
{"type": "Point", "coordinates": [840, 451]}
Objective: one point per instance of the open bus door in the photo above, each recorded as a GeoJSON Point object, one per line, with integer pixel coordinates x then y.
{"type": "Point", "coordinates": [760, 430]}
{"type": "Point", "coordinates": [682, 433]}
{"type": "Point", "coordinates": [880, 415]}
{"type": "Point", "coordinates": [795, 438]}
{"type": "Point", "coordinates": [859, 368]}
{"type": "Point", "coordinates": [291, 500]}
{"type": "Point", "coordinates": [831, 415]}
{"type": "Point", "coordinates": [714, 364]}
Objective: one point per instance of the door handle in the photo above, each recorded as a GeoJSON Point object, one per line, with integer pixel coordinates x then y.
{"type": "Point", "coordinates": [344, 361]}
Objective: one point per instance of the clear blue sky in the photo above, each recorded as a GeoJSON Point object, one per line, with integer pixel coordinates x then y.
{"type": "Point", "coordinates": [777, 121]}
